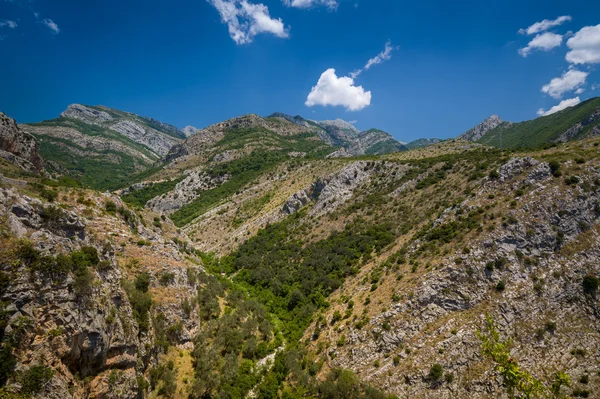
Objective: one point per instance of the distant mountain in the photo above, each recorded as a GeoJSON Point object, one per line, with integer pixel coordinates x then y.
{"type": "Point", "coordinates": [101, 146]}
{"type": "Point", "coordinates": [340, 133]}
{"type": "Point", "coordinates": [578, 122]}
{"type": "Point", "coordinates": [419, 143]}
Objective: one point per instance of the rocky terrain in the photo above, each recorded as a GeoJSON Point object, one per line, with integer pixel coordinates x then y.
{"type": "Point", "coordinates": [19, 147]}
{"type": "Point", "coordinates": [248, 261]}
{"type": "Point", "coordinates": [477, 133]}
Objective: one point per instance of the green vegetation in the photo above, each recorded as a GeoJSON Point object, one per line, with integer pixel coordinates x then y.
{"type": "Point", "coordinates": [145, 194]}
{"type": "Point", "coordinates": [518, 382]}
{"type": "Point", "coordinates": [293, 280]}
{"type": "Point", "coordinates": [542, 131]}
{"type": "Point", "coordinates": [34, 379]}
{"type": "Point", "coordinates": [105, 170]}
{"type": "Point", "coordinates": [590, 284]}
{"type": "Point", "coordinates": [56, 268]}
{"type": "Point", "coordinates": [140, 299]}
{"type": "Point", "coordinates": [229, 344]}
{"type": "Point", "coordinates": [242, 172]}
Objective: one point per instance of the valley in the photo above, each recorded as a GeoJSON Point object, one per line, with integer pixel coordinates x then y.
{"type": "Point", "coordinates": [281, 257]}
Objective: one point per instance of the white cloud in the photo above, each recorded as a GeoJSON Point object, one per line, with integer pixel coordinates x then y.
{"type": "Point", "coordinates": [331, 4]}
{"type": "Point", "coordinates": [338, 91]}
{"type": "Point", "coordinates": [571, 102]}
{"type": "Point", "coordinates": [569, 81]}
{"type": "Point", "coordinates": [51, 25]}
{"type": "Point", "coordinates": [545, 42]}
{"type": "Point", "coordinates": [385, 55]}
{"type": "Point", "coordinates": [579, 91]}
{"type": "Point", "coordinates": [585, 46]}
{"type": "Point", "coordinates": [8, 24]}
{"type": "Point", "coordinates": [246, 20]}
{"type": "Point", "coordinates": [545, 25]}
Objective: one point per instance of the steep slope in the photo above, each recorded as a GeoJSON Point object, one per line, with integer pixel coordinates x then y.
{"type": "Point", "coordinates": [18, 147]}
{"type": "Point", "coordinates": [580, 121]}
{"type": "Point", "coordinates": [340, 133]}
{"type": "Point", "coordinates": [102, 147]}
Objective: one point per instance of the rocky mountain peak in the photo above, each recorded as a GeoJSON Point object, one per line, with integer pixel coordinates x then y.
{"type": "Point", "coordinates": [19, 147]}
{"type": "Point", "coordinates": [86, 114]}
{"type": "Point", "coordinates": [340, 124]}
{"type": "Point", "coordinates": [481, 129]}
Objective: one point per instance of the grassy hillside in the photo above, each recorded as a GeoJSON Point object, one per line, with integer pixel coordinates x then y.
{"type": "Point", "coordinates": [543, 130]}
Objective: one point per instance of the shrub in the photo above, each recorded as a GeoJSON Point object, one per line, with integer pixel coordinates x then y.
{"type": "Point", "coordinates": [494, 174]}
{"type": "Point", "coordinates": [436, 372]}
{"type": "Point", "coordinates": [581, 393]}
{"type": "Point", "coordinates": [585, 379]}
{"type": "Point", "coordinates": [142, 282]}
{"type": "Point", "coordinates": [449, 378]}
{"type": "Point", "coordinates": [167, 278]}
{"type": "Point", "coordinates": [110, 206]}
{"type": "Point", "coordinates": [8, 361]}
{"type": "Point", "coordinates": [555, 168]}
{"type": "Point", "coordinates": [500, 286]}
{"type": "Point", "coordinates": [590, 284]}
{"type": "Point", "coordinates": [35, 378]}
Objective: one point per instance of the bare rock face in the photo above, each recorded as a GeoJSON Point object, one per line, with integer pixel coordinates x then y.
{"type": "Point", "coordinates": [19, 147]}
{"type": "Point", "coordinates": [186, 191]}
{"type": "Point", "coordinates": [480, 130]}
{"type": "Point", "coordinates": [189, 131]}
{"type": "Point", "coordinates": [155, 135]}
{"type": "Point", "coordinates": [86, 114]}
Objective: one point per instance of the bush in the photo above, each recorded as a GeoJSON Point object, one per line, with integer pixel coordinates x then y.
{"type": "Point", "coordinates": [555, 168]}
{"type": "Point", "coordinates": [142, 282]}
{"type": "Point", "coordinates": [8, 361]}
{"type": "Point", "coordinates": [110, 206]}
{"type": "Point", "coordinates": [34, 379]}
{"type": "Point", "coordinates": [500, 286]}
{"type": "Point", "coordinates": [590, 284]}
{"type": "Point", "coordinates": [436, 372]}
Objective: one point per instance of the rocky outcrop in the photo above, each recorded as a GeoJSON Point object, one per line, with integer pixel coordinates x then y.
{"type": "Point", "coordinates": [19, 147]}
{"type": "Point", "coordinates": [157, 142]}
{"type": "Point", "coordinates": [86, 114]}
{"type": "Point", "coordinates": [186, 191]}
{"type": "Point", "coordinates": [477, 133]}
{"type": "Point", "coordinates": [576, 130]}
{"type": "Point", "coordinates": [189, 131]}
{"type": "Point", "coordinates": [157, 136]}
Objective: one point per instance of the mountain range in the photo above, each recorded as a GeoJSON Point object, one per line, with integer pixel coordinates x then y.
{"type": "Point", "coordinates": [280, 257]}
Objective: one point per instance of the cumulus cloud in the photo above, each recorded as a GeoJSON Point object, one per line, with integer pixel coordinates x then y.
{"type": "Point", "coordinates": [246, 20]}
{"type": "Point", "coordinates": [545, 42]}
{"type": "Point", "coordinates": [385, 55]}
{"type": "Point", "coordinates": [545, 25]}
{"type": "Point", "coordinates": [338, 91]}
{"type": "Point", "coordinates": [331, 4]}
{"type": "Point", "coordinates": [571, 102]}
{"type": "Point", "coordinates": [51, 25]}
{"type": "Point", "coordinates": [569, 81]}
{"type": "Point", "coordinates": [8, 24]}
{"type": "Point", "coordinates": [584, 46]}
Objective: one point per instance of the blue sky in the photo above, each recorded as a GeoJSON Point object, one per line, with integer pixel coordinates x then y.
{"type": "Point", "coordinates": [449, 65]}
